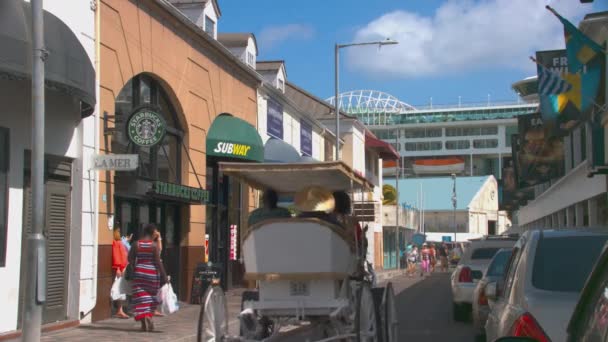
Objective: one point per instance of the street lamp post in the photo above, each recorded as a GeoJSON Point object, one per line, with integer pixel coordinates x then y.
{"type": "Point", "coordinates": [337, 86]}
{"type": "Point", "coordinates": [454, 204]}
{"type": "Point", "coordinates": [397, 207]}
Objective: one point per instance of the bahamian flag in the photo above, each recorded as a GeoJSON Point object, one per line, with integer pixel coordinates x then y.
{"type": "Point", "coordinates": [586, 61]}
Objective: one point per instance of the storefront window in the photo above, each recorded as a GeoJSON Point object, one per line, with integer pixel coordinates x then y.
{"type": "Point", "coordinates": [160, 162]}
{"type": "Point", "coordinates": [4, 162]}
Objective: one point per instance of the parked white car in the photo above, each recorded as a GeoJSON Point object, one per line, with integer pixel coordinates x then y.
{"type": "Point", "coordinates": [542, 283]}
{"type": "Point", "coordinates": [494, 273]}
{"type": "Point", "coordinates": [470, 269]}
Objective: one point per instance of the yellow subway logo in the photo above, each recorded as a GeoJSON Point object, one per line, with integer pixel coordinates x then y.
{"type": "Point", "coordinates": [232, 149]}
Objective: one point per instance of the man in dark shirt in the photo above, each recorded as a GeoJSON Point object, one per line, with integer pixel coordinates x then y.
{"type": "Point", "coordinates": [443, 256]}
{"type": "Point", "coordinates": [269, 209]}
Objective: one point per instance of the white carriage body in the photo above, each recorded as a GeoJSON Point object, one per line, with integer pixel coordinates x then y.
{"type": "Point", "coordinates": [300, 265]}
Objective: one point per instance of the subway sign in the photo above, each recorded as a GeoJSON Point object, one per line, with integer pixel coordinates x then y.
{"type": "Point", "coordinates": [180, 193]}
{"type": "Point", "coordinates": [232, 149]}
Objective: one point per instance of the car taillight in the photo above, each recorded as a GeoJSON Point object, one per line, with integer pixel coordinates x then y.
{"type": "Point", "coordinates": [527, 326]}
{"type": "Point", "coordinates": [482, 300]}
{"type": "Point", "coordinates": [465, 275]}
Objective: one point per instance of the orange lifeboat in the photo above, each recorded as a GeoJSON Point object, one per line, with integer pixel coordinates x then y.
{"type": "Point", "coordinates": [438, 166]}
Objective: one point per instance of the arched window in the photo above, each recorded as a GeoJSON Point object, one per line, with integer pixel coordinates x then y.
{"type": "Point", "coordinates": [161, 162]}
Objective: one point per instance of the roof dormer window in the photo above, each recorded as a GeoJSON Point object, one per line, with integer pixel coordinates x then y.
{"type": "Point", "coordinates": [209, 26]}
{"type": "Point", "coordinates": [250, 59]}
{"type": "Point", "coordinates": [282, 85]}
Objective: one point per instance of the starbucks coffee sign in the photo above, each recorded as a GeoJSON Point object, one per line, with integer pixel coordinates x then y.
{"type": "Point", "coordinates": [180, 193]}
{"type": "Point", "coordinates": [146, 127]}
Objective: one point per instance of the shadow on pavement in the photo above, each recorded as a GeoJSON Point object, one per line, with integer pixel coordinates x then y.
{"type": "Point", "coordinates": [425, 311]}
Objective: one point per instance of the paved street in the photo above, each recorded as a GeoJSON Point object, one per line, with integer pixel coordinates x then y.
{"type": "Point", "coordinates": [425, 311]}
{"type": "Point", "coordinates": [424, 308]}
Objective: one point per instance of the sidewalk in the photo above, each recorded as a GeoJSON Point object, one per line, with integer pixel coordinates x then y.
{"type": "Point", "coordinates": [180, 326]}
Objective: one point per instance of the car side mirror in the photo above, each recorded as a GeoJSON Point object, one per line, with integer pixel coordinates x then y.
{"type": "Point", "coordinates": [515, 339]}
{"type": "Point", "coordinates": [491, 291]}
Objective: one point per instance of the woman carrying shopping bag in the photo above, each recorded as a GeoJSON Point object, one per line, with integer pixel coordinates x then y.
{"type": "Point", "coordinates": [148, 276]}
{"type": "Point", "coordinates": [119, 263]}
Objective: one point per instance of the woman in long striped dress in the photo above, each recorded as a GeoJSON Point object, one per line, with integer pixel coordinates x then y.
{"type": "Point", "coordinates": [148, 275]}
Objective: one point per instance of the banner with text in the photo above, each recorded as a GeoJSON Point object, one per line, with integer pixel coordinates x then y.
{"type": "Point", "coordinates": [562, 112]}
{"type": "Point", "coordinates": [306, 138]}
{"type": "Point", "coordinates": [274, 119]}
{"type": "Point", "coordinates": [540, 156]}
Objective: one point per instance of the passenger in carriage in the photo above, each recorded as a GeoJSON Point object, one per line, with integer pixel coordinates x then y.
{"type": "Point", "coordinates": [343, 213]}
{"type": "Point", "coordinates": [269, 209]}
{"type": "Point", "coordinates": [316, 202]}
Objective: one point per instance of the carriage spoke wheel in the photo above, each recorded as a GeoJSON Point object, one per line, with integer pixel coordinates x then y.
{"type": "Point", "coordinates": [366, 325]}
{"type": "Point", "coordinates": [388, 311]}
{"type": "Point", "coordinates": [213, 318]}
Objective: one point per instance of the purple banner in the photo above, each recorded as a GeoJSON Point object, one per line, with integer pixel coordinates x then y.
{"type": "Point", "coordinates": [274, 119]}
{"type": "Point", "coordinates": [306, 138]}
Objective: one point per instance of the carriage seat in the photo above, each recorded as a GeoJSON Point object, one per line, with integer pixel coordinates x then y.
{"type": "Point", "coordinates": [297, 249]}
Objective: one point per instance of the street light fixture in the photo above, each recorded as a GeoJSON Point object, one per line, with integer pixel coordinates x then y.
{"type": "Point", "coordinates": [337, 64]}
{"type": "Point", "coordinates": [454, 204]}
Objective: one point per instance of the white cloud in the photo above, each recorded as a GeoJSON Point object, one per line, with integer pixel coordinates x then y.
{"type": "Point", "coordinates": [463, 35]}
{"type": "Point", "coordinates": [272, 36]}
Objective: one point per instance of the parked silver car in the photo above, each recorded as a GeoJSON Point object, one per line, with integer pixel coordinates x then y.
{"type": "Point", "coordinates": [546, 272]}
{"type": "Point", "coordinates": [470, 269]}
{"type": "Point", "coordinates": [494, 273]}
{"type": "Point", "coordinates": [589, 322]}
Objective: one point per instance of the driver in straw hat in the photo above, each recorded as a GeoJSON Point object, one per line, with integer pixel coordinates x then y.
{"type": "Point", "coordinates": [315, 201]}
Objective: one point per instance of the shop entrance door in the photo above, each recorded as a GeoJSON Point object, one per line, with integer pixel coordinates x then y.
{"type": "Point", "coordinates": [135, 214]}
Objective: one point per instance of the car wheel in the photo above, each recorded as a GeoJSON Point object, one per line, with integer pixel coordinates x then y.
{"type": "Point", "coordinates": [459, 312]}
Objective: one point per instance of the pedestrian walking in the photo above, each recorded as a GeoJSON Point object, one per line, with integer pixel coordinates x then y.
{"type": "Point", "coordinates": [158, 241]}
{"type": "Point", "coordinates": [148, 276]}
{"type": "Point", "coordinates": [433, 255]}
{"type": "Point", "coordinates": [443, 256]}
{"type": "Point", "coordinates": [412, 258]}
{"type": "Point", "coordinates": [119, 263]}
{"type": "Point", "coordinates": [425, 255]}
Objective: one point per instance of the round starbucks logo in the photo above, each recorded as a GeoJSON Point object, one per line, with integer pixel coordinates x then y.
{"type": "Point", "coordinates": [146, 127]}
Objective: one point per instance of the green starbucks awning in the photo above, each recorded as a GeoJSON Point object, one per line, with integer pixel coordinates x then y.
{"type": "Point", "coordinates": [231, 137]}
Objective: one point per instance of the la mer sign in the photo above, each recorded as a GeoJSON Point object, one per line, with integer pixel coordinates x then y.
{"type": "Point", "coordinates": [116, 162]}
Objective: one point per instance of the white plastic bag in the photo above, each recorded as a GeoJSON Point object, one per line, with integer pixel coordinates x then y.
{"type": "Point", "coordinates": [119, 289]}
{"type": "Point", "coordinates": [167, 299]}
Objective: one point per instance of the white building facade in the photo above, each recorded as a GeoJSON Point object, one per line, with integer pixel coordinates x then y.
{"type": "Point", "coordinates": [70, 141]}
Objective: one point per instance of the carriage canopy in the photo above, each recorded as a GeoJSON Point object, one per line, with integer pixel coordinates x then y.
{"type": "Point", "coordinates": [290, 178]}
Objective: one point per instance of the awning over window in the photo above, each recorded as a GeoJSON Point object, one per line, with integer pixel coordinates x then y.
{"type": "Point", "coordinates": [278, 151]}
{"type": "Point", "coordinates": [384, 149]}
{"type": "Point", "coordinates": [68, 67]}
{"type": "Point", "coordinates": [231, 137]}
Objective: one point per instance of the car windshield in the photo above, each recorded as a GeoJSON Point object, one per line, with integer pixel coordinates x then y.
{"type": "Point", "coordinates": [497, 267]}
{"type": "Point", "coordinates": [483, 253]}
{"type": "Point", "coordinates": [563, 264]}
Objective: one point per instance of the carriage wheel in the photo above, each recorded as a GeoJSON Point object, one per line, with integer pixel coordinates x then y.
{"type": "Point", "coordinates": [366, 324]}
{"type": "Point", "coordinates": [213, 318]}
{"type": "Point", "coordinates": [388, 311]}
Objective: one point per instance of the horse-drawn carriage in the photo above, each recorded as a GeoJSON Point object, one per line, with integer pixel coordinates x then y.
{"type": "Point", "coordinates": [307, 270]}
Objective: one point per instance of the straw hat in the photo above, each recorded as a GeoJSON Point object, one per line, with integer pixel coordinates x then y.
{"type": "Point", "coordinates": [314, 198]}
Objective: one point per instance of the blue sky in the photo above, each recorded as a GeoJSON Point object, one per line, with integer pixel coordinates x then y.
{"type": "Point", "coordinates": [447, 49]}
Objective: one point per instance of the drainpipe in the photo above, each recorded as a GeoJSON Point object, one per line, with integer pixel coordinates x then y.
{"type": "Point", "coordinates": [96, 116]}
{"type": "Point", "coordinates": [35, 265]}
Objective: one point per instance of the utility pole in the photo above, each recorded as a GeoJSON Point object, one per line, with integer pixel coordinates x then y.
{"type": "Point", "coordinates": [454, 204]}
{"type": "Point", "coordinates": [35, 285]}
{"type": "Point", "coordinates": [337, 85]}
{"type": "Point", "coordinates": [397, 208]}
{"type": "Point", "coordinates": [336, 100]}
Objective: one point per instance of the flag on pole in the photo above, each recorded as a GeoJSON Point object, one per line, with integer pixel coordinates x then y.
{"type": "Point", "coordinates": [586, 64]}
{"type": "Point", "coordinates": [550, 82]}
{"type": "Point", "coordinates": [580, 48]}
